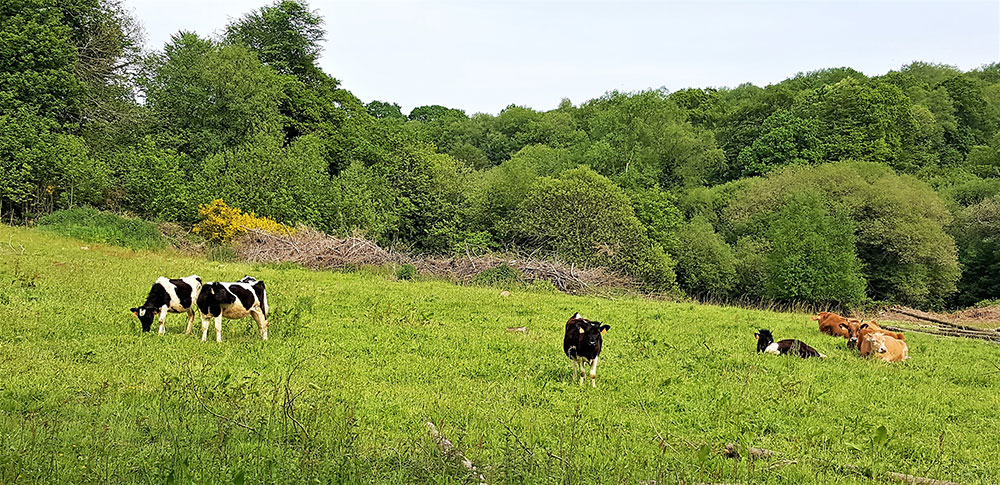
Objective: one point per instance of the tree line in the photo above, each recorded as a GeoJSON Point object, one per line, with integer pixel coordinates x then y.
{"type": "Point", "coordinates": [830, 187]}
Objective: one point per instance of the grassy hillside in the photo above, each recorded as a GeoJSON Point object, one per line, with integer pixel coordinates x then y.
{"type": "Point", "coordinates": [358, 363]}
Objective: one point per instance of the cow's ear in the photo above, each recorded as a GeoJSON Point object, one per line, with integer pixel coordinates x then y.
{"type": "Point", "coordinates": [605, 328]}
{"type": "Point", "coordinates": [863, 326]}
{"type": "Point", "coordinates": [135, 311]}
{"type": "Point", "coordinates": [582, 330]}
{"type": "Point", "coordinates": [576, 316]}
{"type": "Point", "coordinates": [756, 335]}
{"type": "Point", "coordinates": [844, 326]}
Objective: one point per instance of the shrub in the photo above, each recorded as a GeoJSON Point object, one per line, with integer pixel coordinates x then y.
{"type": "Point", "coordinates": [221, 223]}
{"type": "Point", "coordinates": [585, 218]}
{"type": "Point", "coordinates": [705, 263]}
{"type": "Point", "coordinates": [406, 272]}
{"type": "Point", "coordinates": [91, 225]}
{"type": "Point", "coordinates": [502, 275]}
{"type": "Point", "coordinates": [812, 258]}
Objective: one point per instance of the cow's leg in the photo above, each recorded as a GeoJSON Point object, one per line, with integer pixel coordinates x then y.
{"type": "Point", "coordinates": [218, 328]}
{"type": "Point", "coordinates": [575, 367]}
{"type": "Point", "coordinates": [204, 328]}
{"type": "Point", "coordinates": [593, 371]}
{"type": "Point", "coordinates": [190, 321]}
{"type": "Point", "coordinates": [583, 366]}
{"type": "Point", "coordinates": [163, 319]}
{"type": "Point", "coordinates": [262, 321]}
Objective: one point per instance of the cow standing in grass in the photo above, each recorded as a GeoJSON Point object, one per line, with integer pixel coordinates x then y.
{"type": "Point", "coordinates": [582, 344]}
{"type": "Point", "coordinates": [169, 296]}
{"type": "Point", "coordinates": [234, 301]}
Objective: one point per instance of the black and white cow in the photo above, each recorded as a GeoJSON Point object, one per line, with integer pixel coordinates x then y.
{"type": "Point", "coordinates": [766, 343]}
{"type": "Point", "coordinates": [582, 344]}
{"type": "Point", "coordinates": [169, 296]}
{"type": "Point", "coordinates": [232, 300]}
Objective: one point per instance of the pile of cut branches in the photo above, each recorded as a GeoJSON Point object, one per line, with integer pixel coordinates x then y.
{"type": "Point", "coordinates": [316, 250]}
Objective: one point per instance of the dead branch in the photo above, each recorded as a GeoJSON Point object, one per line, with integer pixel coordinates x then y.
{"type": "Point", "coordinates": [755, 453]}
{"type": "Point", "coordinates": [448, 449]}
{"type": "Point", "coordinates": [518, 329]}
{"type": "Point", "coordinates": [918, 480]}
{"type": "Point", "coordinates": [932, 319]}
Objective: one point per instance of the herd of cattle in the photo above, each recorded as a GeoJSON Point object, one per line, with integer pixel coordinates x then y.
{"type": "Point", "coordinates": [213, 300]}
{"type": "Point", "coordinates": [867, 338]}
{"type": "Point", "coordinates": [582, 341]}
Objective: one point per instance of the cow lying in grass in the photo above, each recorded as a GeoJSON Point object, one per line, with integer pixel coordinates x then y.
{"type": "Point", "coordinates": [883, 346]}
{"type": "Point", "coordinates": [830, 323]}
{"type": "Point", "coordinates": [582, 344]}
{"type": "Point", "coordinates": [169, 296]}
{"type": "Point", "coordinates": [766, 343]}
{"type": "Point", "coordinates": [855, 329]}
{"type": "Point", "coordinates": [233, 301]}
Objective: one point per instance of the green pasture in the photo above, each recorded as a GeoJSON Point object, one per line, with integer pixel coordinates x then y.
{"type": "Point", "coordinates": [358, 362]}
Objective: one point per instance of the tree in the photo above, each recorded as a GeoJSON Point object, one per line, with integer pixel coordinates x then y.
{"type": "Point", "coordinates": [812, 257]}
{"type": "Point", "coordinates": [785, 140]}
{"type": "Point", "coordinates": [286, 36]}
{"type": "Point", "coordinates": [585, 218]}
{"type": "Point", "coordinates": [385, 111]}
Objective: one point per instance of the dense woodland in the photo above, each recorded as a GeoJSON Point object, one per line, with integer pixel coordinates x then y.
{"type": "Point", "coordinates": [830, 187]}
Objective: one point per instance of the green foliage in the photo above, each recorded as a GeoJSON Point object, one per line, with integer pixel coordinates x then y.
{"type": "Point", "coordinates": [91, 225]}
{"type": "Point", "coordinates": [585, 218]}
{"type": "Point", "coordinates": [785, 140]}
{"type": "Point", "coordinates": [898, 224]}
{"type": "Point", "coordinates": [812, 257]}
{"type": "Point", "coordinates": [286, 36]}
{"type": "Point", "coordinates": [406, 272]}
{"type": "Point", "coordinates": [977, 233]}
{"type": "Point", "coordinates": [501, 276]}
{"type": "Point", "coordinates": [706, 266]}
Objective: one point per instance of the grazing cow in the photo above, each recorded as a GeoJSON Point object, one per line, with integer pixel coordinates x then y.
{"type": "Point", "coordinates": [884, 347]}
{"type": "Point", "coordinates": [829, 323]}
{"type": "Point", "coordinates": [856, 331]}
{"type": "Point", "coordinates": [233, 301]}
{"type": "Point", "coordinates": [582, 344]}
{"type": "Point", "coordinates": [169, 296]}
{"type": "Point", "coordinates": [766, 343]}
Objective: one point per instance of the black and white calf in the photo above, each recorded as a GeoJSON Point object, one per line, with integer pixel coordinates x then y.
{"type": "Point", "coordinates": [233, 301]}
{"type": "Point", "coordinates": [766, 343]}
{"type": "Point", "coordinates": [169, 296]}
{"type": "Point", "coordinates": [582, 344]}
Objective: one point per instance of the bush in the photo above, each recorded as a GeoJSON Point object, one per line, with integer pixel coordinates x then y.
{"type": "Point", "coordinates": [91, 225]}
{"type": "Point", "coordinates": [221, 223]}
{"type": "Point", "coordinates": [812, 258]}
{"type": "Point", "coordinates": [705, 263]}
{"type": "Point", "coordinates": [502, 275]}
{"type": "Point", "coordinates": [585, 218]}
{"type": "Point", "coordinates": [897, 225]}
{"type": "Point", "coordinates": [406, 272]}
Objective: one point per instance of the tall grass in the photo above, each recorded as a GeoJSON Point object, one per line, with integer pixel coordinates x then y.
{"type": "Point", "coordinates": [91, 225]}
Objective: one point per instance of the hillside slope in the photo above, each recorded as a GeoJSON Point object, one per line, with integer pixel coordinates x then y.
{"type": "Point", "coordinates": [357, 363]}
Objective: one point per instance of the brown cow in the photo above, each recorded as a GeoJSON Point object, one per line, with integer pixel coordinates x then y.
{"type": "Point", "coordinates": [856, 332]}
{"type": "Point", "coordinates": [830, 324]}
{"type": "Point", "coordinates": [884, 347]}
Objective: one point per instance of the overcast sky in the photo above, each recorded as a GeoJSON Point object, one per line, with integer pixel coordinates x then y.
{"type": "Point", "coordinates": [482, 55]}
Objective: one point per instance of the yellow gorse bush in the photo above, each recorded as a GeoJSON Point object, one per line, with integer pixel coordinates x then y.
{"type": "Point", "coordinates": [221, 223]}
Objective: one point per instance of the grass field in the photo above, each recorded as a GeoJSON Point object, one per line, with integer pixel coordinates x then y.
{"type": "Point", "coordinates": [357, 363]}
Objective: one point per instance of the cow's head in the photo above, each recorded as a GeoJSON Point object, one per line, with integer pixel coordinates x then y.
{"type": "Point", "coordinates": [248, 279]}
{"type": "Point", "coordinates": [855, 329]}
{"type": "Point", "coordinates": [146, 316]}
{"type": "Point", "coordinates": [764, 338]}
{"type": "Point", "coordinates": [592, 332]}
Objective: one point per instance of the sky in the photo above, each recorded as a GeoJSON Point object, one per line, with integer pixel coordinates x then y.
{"type": "Point", "coordinates": [484, 55]}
